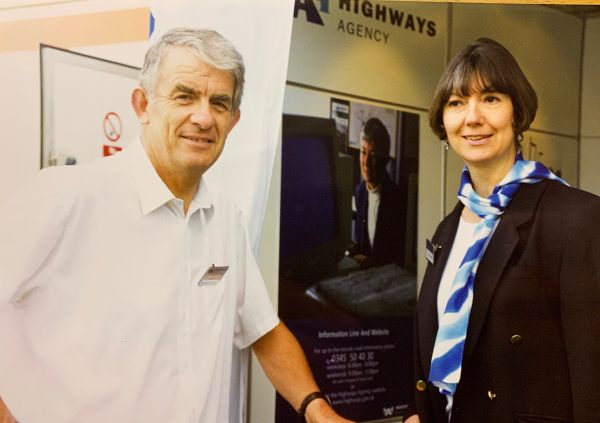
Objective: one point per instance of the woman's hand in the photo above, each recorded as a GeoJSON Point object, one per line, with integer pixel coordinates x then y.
{"type": "Point", "coordinates": [413, 419]}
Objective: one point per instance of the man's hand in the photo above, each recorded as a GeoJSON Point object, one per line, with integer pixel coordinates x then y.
{"type": "Point", "coordinates": [5, 416]}
{"type": "Point", "coordinates": [364, 261]}
{"type": "Point", "coordinates": [318, 411]}
{"type": "Point", "coordinates": [413, 419]}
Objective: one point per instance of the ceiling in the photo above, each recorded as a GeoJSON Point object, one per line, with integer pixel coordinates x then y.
{"type": "Point", "coordinates": [580, 10]}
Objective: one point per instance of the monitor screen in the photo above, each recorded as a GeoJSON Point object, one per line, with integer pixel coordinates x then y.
{"type": "Point", "coordinates": [309, 216]}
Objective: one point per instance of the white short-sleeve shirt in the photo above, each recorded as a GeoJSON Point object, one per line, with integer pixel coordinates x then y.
{"type": "Point", "coordinates": [102, 317]}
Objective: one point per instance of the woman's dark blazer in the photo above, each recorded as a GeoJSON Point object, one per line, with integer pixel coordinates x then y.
{"type": "Point", "coordinates": [532, 352]}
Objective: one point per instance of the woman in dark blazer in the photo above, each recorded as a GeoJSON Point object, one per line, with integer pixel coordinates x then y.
{"type": "Point", "coordinates": [508, 318]}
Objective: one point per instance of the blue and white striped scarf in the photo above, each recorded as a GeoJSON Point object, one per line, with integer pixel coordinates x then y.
{"type": "Point", "coordinates": [446, 362]}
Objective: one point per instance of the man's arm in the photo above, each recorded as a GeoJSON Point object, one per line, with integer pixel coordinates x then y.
{"type": "Point", "coordinates": [284, 363]}
{"type": "Point", "coordinates": [5, 416]}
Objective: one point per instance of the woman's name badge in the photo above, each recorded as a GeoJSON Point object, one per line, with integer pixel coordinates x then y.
{"type": "Point", "coordinates": [213, 275]}
{"type": "Point", "coordinates": [432, 251]}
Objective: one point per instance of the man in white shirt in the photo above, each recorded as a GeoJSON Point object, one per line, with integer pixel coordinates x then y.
{"type": "Point", "coordinates": [125, 283]}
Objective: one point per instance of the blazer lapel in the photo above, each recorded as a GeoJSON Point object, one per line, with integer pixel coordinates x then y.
{"type": "Point", "coordinates": [496, 257]}
{"type": "Point", "coordinates": [428, 316]}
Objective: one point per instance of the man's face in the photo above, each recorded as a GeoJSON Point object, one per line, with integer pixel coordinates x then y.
{"type": "Point", "coordinates": [370, 164]}
{"type": "Point", "coordinates": [188, 117]}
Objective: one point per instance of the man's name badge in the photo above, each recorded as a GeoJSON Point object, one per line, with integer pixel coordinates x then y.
{"type": "Point", "coordinates": [213, 275]}
{"type": "Point", "coordinates": [432, 251]}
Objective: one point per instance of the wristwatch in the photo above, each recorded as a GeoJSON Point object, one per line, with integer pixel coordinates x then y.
{"type": "Point", "coordinates": [307, 400]}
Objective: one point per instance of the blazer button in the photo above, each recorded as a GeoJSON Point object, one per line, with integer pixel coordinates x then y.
{"type": "Point", "coordinates": [421, 385]}
{"type": "Point", "coordinates": [515, 339]}
{"type": "Point", "coordinates": [491, 395]}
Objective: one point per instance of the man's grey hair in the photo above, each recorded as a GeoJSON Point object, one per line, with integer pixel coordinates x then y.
{"type": "Point", "coordinates": [210, 46]}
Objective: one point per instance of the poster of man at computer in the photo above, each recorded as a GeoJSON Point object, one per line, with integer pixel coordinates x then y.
{"type": "Point", "coordinates": [348, 288]}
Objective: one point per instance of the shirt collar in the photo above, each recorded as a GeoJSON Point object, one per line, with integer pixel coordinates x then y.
{"type": "Point", "coordinates": [203, 199]}
{"type": "Point", "coordinates": [152, 191]}
{"type": "Point", "coordinates": [373, 190]}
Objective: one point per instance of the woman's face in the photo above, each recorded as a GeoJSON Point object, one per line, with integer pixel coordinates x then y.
{"type": "Point", "coordinates": [479, 127]}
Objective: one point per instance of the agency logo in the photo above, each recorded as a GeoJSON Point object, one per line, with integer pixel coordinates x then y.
{"type": "Point", "coordinates": [368, 19]}
{"type": "Point", "coordinates": [311, 11]}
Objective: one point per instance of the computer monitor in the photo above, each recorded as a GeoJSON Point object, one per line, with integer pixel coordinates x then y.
{"type": "Point", "coordinates": [315, 199]}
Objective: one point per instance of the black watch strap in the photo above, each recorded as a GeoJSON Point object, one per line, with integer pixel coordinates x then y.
{"type": "Point", "coordinates": [307, 400]}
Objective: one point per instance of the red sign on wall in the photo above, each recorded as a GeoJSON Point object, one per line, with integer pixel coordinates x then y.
{"type": "Point", "coordinates": [109, 150]}
{"type": "Point", "coordinates": [112, 126]}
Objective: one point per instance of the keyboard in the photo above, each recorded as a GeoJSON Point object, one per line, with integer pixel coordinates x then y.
{"type": "Point", "coordinates": [387, 290]}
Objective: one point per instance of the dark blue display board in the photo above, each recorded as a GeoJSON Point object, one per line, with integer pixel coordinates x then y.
{"type": "Point", "coordinates": [363, 365]}
{"type": "Point", "coordinates": [354, 321]}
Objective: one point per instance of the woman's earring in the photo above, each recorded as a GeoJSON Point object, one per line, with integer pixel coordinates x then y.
{"type": "Point", "coordinates": [519, 137]}
{"type": "Point", "coordinates": [445, 144]}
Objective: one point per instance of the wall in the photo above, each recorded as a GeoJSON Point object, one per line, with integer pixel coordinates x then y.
{"type": "Point", "coordinates": [590, 112]}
